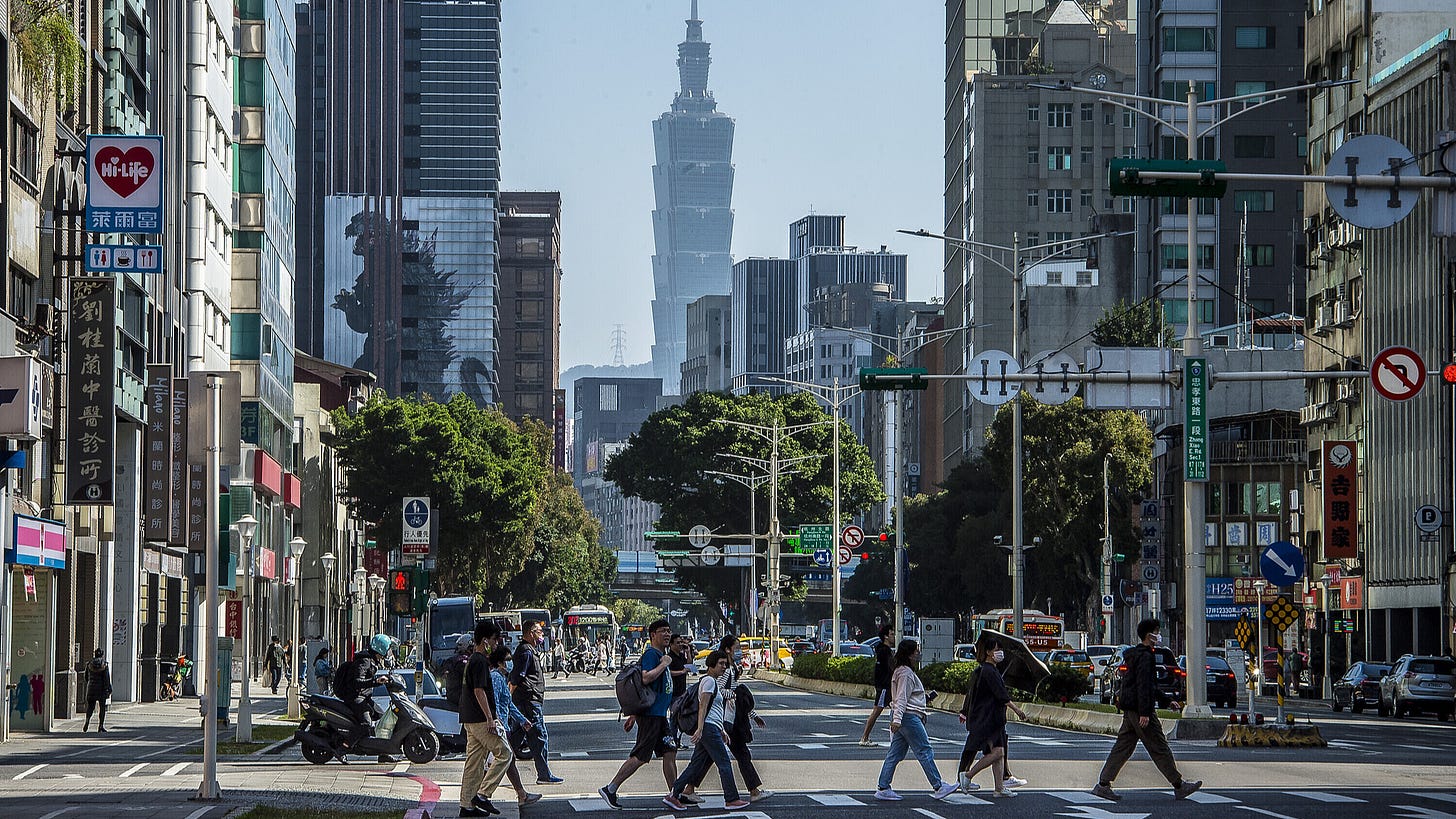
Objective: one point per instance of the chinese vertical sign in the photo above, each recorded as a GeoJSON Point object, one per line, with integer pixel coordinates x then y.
{"type": "Point", "coordinates": [1195, 422]}
{"type": "Point", "coordinates": [124, 184]}
{"type": "Point", "coordinates": [1338, 475]}
{"type": "Point", "coordinates": [157, 458]}
{"type": "Point", "coordinates": [177, 520]}
{"type": "Point", "coordinates": [91, 393]}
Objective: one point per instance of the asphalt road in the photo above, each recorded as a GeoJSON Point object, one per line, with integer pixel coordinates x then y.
{"type": "Point", "coordinates": [808, 754]}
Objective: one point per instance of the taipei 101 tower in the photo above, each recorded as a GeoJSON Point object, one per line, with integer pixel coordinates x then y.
{"type": "Point", "coordinates": [693, 223]}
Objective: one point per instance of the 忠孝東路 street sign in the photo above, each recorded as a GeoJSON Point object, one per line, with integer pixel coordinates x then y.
{"type": "Point", "coordinates": [1281, 563]}
{"type": "Point", "coordinates": [1195, 419]}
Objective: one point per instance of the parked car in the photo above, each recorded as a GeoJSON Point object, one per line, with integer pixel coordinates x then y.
{"type": "Point", "coordinates": [801, 647]}
{"type": "Point", "coordinates": [1221, 686]}
{"type": "Point", "coordinates": [1076, 660]}
{"type": "Point", "coordinates": [1168, 687]}
{"type": "Point", "coordinates": [1359, 687]}
{"type": "Point", "coordinates": [1418, 684]}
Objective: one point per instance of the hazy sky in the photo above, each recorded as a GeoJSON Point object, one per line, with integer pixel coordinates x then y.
{"type": "Point", "coordinates": [838, 109]}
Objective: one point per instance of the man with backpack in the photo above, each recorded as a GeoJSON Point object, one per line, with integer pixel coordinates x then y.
{"type": "Point", "coordinates": [653, 734]}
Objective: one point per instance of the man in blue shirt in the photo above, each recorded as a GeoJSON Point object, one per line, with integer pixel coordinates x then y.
{"type": "Point", "coordinates": [654, 736]}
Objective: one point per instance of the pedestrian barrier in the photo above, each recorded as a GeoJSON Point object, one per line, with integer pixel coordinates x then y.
{"type": "Point", "coordinates": [1272, 736]}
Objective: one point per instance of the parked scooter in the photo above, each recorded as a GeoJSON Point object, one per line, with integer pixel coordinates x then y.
{"type": "Point", "coordinates": [328, 722]}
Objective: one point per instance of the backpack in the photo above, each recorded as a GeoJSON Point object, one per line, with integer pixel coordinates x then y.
{"type": "Point", "coordinates": [683, 713]}
{"type": "Point", "coordinates": [634, 696]}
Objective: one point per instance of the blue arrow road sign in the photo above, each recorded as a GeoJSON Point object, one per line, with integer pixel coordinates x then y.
{"type": "Point", "coordinates": [1281, 563]}
{"type": "Point", "coordinates": [822, 557]}
{"type": "Point", "coordinates": [416, 514]}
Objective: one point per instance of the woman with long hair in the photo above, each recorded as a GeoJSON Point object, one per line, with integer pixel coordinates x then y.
{"type": "Point", "coordinates": [985, 717]}
{"type": "Point", "coordinates": [907, 726]}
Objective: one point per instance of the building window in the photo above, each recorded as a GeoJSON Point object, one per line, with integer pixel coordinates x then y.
{"type": "Point", "coordinates": [1059, 158]}
{"type": "Point", "coordinates": [1175, 256]}
{"type": "Point", "coordinates": [1084, 278]}
{"type": "Point", "coordinates": [1059, 115]}
{"type": "Point", "coordinates": [1252, 87]}
{"type": "Point", "coordinates": [1176, 147]}
{"type": "Point", "coordinates": [1058, 237]}
{"type": "Point", "coordinates": [1188, 38]}
{"type": "Point", "coordinates": [1033, 198]}
{"type": "Point", "coordinates": [1178, 206]}
{"type": "Point", "coordinates": [21, 292]}
{"type": "Point", "coordinates": [1177, 90]}
{"type": "Point", "coordinates": [1254, 201]}
{"type": "Point", "coordinates": [24, 150]}
{"type": "Point", "coordinates": [1059, 200]}
{"type": "Point", "coordinates": [1033, 113]}
{"type": "Point", "coordinates": [1032, 156]}
{"type": "Point", "coordinates": [1086, 112]}
{"type": "Point", "coordinates": [1129, 119]}
{"type": "Point", "coordinates": [1086, 198]}
{"type": "Point", "coordinates": [1054, 278]}
{"type": "Point", "coordinates": [1254, 37]}
{"type": "Point", "coordinates": [1259, 255]}
{"type": "Point", "coordinates": [1086, 155]}
{"type": "Point", "coordinates": [1253, 146]}
{"type": "Point", "coordinates": [1175, 311]}
{"type": "Point", "coordinates": [607, 397]}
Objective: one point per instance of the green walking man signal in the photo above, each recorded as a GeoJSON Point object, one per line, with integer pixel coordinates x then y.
{"type": "Point", "coordinates": [892, 378]}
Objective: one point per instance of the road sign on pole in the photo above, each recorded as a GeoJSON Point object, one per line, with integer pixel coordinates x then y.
{"type": "Point", "coordinates": [416, 539]}
{"type": "Point", "coordinates": [1195, 427]}
{"type": "Point", "coordinates": [989, 372]}
{"type": "Point", "coordinates": [1370, 207]}
{"type": "Point", "coordinates": [699, 535]}
{"type": "Point", "coordinates": [845, 555]}
{"type": "Point", "coordinates": [852, 536]}
{"type": "Point", "coordinates": [1429, 519]}
{"type": "Point", "coordinates": [1281, 563]}
{"type": "Point", "coordinates": [1398, 373]}
{"type": "Point", "coordinates": [815, 536]}
{"type": "Point", "coordinates": [1108, 603]}
{"type": "Point", "coordinates": [822, 558]}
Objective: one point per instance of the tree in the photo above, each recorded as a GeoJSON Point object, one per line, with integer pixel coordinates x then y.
{"type": "Point", "coordinates": [635, 612]}
{"type": "Point", "coordinates": [567, 565]}
{"type": "Point", "coordinates": [1132, 325]}
{"type": "Point", "coordinates": [667, 462]}
{"type": "Point", "coordinates": [483, 476]}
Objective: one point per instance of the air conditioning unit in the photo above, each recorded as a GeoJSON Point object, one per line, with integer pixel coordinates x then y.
{"type": "Point", "coordinates": [1344, 316]}
{"type": "Point", "coordinates": [1311, 476]}
{"type": "Point", "coordinates": [1311, 414]}
{"type": "Point", "coordinates": [1324, 320]}
{"type": "Point", "coordinates": [1218, 340]}
{"type": "Point", "coordinates": [1241, 559]}
{"type": "Point", "coordinates": [1349, 393]}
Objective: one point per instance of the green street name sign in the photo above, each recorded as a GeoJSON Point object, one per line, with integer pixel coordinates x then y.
{"type": "Point", "coordinates": [814, 536]}
{"type": "Point", "coordinates": [893, 378]}
{"type": "Point", "coordinates": [1195, 419]}
{"type": "Point", "coordinates": [661, 535]}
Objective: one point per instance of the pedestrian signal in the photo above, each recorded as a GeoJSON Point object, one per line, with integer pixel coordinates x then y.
{"type": "Point", "coordinates": [401, 592]}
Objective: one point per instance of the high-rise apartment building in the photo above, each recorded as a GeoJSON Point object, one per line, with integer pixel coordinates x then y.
{"type": "Point", "coordinates": [765, 312]}
{"type": "Point", "coordinates": [397, 234]}
{"type": "Point", "coordinates": [530, 303]}
{"type": "Point", "coordinates": [693, 222]}
{"type": "Point", "coordinates": [1024, 164]}
{"type": "Point", "coordinates": [709, 363]}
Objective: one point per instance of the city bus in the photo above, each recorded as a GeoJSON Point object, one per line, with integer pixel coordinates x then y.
{"type": "Point", "coordinates": [1041, 632]}
{"type": "Point", "coordinates": [591, 622]}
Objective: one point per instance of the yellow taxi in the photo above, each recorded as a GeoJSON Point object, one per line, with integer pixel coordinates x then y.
{"type": "Point", "coordinates": [755, 651]}
{"type": "Point", "coordinates": [1073, 659]}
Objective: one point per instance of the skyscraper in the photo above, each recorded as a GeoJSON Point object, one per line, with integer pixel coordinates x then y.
{"type": "Point", "coordinates": [399, 173]}
{"type": "Point", "coordinates": [693, 222]}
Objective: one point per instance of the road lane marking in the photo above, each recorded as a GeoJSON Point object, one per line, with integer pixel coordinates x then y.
{"type": "Point", "coordinates": [1078, 797]}
{"type": "Point", "coordinates": [573, 754]}
{"type": "Point", "coordinates": [176, 769]}
{"type": "Point", "coordinates": [835, 800]}
{"type": "Point", "coordinates": [1419, 747]}
{"type": "Point", "coordinates": [1441, 797]}
{"type": "Point", "coordinates": [926, 812]}
{"type": "Point", "coordinates": [1263, 812]}
{"type": "Point", "coordinates": [811, 746]}
{"type": "Point", "coordinates": [170, 748]}
{"type": "Point", "coordinates": [400, 767]}
{"type": "Point", "coordinates": [133, 769]}
{"type": "Point", "coordinates": [28, 771]}
{"type": "Point", "coordinates": [108, 746]}
{"type": "Point", "coordinates": [197, 814]}
{"type": "Point", "coordinates": [1206, 798]}
{"type": "Point", "coordinates": [964, 799]}
{"type": "Point", "coordinates": [1320, 796]}
{"type": "Point", "coordinates": [55, 813]}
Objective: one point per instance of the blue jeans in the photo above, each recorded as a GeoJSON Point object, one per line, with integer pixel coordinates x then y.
{"type": "Point", "coordinates": [534, 740]}
{"type": "Point", "coordinates": [911, 738]}
{"type": "Point", "coordinates": [710, 751]}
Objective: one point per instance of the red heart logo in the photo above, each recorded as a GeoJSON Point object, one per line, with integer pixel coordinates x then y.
{"type": "Point", "coordinates": [124, 172]}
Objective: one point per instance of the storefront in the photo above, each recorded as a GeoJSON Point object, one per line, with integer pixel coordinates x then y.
{"type": "Point", "coordinates": [37, 551]}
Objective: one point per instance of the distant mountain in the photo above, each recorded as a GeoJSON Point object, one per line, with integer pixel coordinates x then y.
{"type": "Point", "coordinates": [568, 378]}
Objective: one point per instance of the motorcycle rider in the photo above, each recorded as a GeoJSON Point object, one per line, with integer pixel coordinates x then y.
{"type": "Point", "coordinates": [354, 683]}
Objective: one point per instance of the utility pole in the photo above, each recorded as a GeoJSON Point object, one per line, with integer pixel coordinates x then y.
{"type": "Point", "coordinates": [212, 676]}
{"type": "Point", "coordinates": [1106, 545]}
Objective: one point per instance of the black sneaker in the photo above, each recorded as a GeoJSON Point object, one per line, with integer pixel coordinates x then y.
{"type": "Point", "coordinates": [484, 804]}
{"type": "Point", "coordinates": [610, 796]}
{"type": "Point", "coordinates": [474, 811]}
{"type": "Point", "coordinates": [549, 780]}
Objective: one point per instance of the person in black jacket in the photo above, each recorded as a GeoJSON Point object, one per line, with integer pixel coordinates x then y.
{"type": "Point", "coordinates": [985, 717]}
{"type": "Point", "coordinates": [528, 691]}
{"type": "Point", "coordinates": [884, 669]}
{"type": "Point", "coordinates": [98, 689]}
{"type": "Point", "coordinates": [1139, 703]}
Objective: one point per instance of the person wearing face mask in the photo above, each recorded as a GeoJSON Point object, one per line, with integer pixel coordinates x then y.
{"type": "Point", "coordinates": [738, 713]}
{"type": "Point", "coordinates": [1140, 719]}
{"type": "Point", "coordinates": [985, 717]}
{"type": "Point", "coordinates": [907, 726]}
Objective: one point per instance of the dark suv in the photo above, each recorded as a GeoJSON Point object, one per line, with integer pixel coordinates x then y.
{"type": "Point", "coordinates": [1359, 687]}
{"type": "Point", "coordinates": [1169, 678]}
{"type": "Point", "coordinates": [1418, 684]}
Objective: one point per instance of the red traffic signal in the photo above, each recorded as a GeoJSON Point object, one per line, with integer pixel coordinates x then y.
{"type": "Point", "coordinates": [884, 537]}
{"type": "Point", "coordinates": [864, 556]}
{"type": "Point", "coordinates": [1448, 373]}
{"type": "Point", "coordinates": [399, 580]}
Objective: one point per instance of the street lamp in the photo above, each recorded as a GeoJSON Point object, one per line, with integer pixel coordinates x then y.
{"type": "Point", "coordinates": [247, 526]}
{"type": "Point", "coordinates": [296, 547]}
{"type": "Point", "coordinates": [376, 589]}
{"type": "Point", "coordinates": [975, 248]}
{"type": "Point", "coordinates": [325, 629]}
{"type": "Point", "coordinates": [1259, 586]}
{"type": "Point", "coordinates": [359, 589]}
{"type": "Point", "coordinates": [752, 482]}
{"type": "Point", "coordinates": [1194, 488]}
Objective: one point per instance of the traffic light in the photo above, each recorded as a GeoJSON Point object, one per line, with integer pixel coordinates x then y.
{"type": "Point", "coordinates": [884, 537]}
{"type": "Point", "coordinates": [892, 378]}
{"type": "Point", "coordinates": [1448, 373]}
{"type": "Point", "coordinates": [401, 591]}
{"type": "Point", "coordinates": [864, 556]}
{"type": "Point", "coordinates": [1124, 178]}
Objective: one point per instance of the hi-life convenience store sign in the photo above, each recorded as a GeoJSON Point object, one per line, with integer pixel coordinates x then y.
{"type": "Point", "coordinates": [1195, 420]}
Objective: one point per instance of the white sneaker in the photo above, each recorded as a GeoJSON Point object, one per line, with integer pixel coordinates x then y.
{"type": "Point", "coordinates": [763, 793]}
{"type": "Point", "coordinates": [945, 789]}
{"type": "Point", "coordinates": [967, 785]}
{"type": "Point", "coordinates": [868, 743]}
{"type": "Point", "coordinates": [1013, 782]}
{"type": "Point", "coordinates": [887, 795]}
{"type": "Point", "coordinates": [1003, 794]}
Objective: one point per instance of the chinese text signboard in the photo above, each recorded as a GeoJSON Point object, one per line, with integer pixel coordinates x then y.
{"type": "Point", "coordinates": [1338, 481]}
{"type": "Point", "coordinates": [1195, 426]}
{"type": "Point", "coordinates": [124, 184]}
{"type": "Point", "coordinates": [91, 404]}
{"type": "Point", "coordinates": [177, 520]}
{"type": "Point", "coordinates": [157, 473]}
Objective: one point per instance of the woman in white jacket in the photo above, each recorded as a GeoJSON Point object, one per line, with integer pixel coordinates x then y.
{"type": "Point", "coordinates": [907, 726]}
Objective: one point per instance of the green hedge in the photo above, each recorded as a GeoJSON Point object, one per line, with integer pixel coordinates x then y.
{"type": "Point", "coordinates": [1064, 685]}
{"type": "Point", "coordinates": [858, 670]}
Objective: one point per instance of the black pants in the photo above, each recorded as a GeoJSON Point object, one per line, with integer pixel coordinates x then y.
{"type": "Point", "coordinates": [90, 705]}
{"type": "Point", "coordinates": [740, 751]}
{"type": "Point", "coordinates": [968, 753]}
{"type": "Point", "coordinates": [277, 672]}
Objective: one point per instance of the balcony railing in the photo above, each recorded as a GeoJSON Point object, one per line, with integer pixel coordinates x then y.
{"type": "Point", "coordinates": [1258, 452]}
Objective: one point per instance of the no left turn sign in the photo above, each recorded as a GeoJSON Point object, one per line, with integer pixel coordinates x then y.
{"type": "Point", "coordinates": [1398, 373]}
{"type": "Point", "coordinates": [852, 536]}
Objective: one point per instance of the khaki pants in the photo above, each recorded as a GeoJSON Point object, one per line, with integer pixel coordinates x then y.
{"type": "Point", "coordinates": [481, 740]}
{"type": "Point", "coordinates": [1153, 740]}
